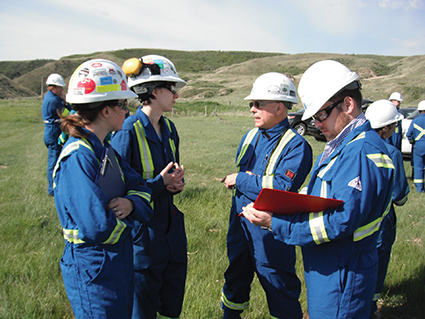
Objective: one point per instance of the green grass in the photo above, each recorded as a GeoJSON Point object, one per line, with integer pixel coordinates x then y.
{"type": "Point", "coordinates": [31, 243]}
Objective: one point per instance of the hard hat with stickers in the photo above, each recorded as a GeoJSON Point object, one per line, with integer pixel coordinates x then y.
{"type": "Point", "coordinates": [98, 80]}
{"type": "Point", "coordinates": [151, 68]}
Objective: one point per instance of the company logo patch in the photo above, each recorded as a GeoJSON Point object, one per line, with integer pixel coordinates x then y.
{"type": "Point", "coordinates": [356, 183]}
{"type": "Point", "coordinates": [290, 174]}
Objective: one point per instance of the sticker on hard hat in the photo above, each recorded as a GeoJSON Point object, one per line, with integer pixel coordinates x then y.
{"type": "Point", "coordinates": [106, 80]}
{"type": "Point", "coordinates": [96, 65]}
{"type": "Point", "coordinates": [85, 86]}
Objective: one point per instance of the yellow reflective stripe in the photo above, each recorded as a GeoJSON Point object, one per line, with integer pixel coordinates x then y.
{"type": "Point", "coordinates": [233, 305]}
{"type": "Point", "coordinates": [269, 173]}
{"type": "Point", "coordinates": [71, 235]}
{"type": "Point", "coordinates": [267, 181]}
{"type": "Point", "coordinates": [67, 151]}
{"type": "Point", "coordinates": [317, 228]}
{"type": "Point", "coordinates": [159, 316]}
{"type": "Point", "coordinates": [116, 233]}
{"type": "Point", "coordinates": [170, 140]}
{"type": "Point", "coordinates": [145, 196]}
{"type": "Point", "coordinates": [145, 152]}
{"type": "Point", "coordinates": [327, 168]}
{"type": "Point", "coordinates": [108, 88]}
{"type": "Point", "coordinates": [421, 130]}
{"type": "Point", "coordinates": [372, 227]}
{"type": "Point", "coordinates": [358, 137]}
{"type": "Point", "coordinates": [418, 180]}
{"type": "Point", "coordinates": [65, 112]}
{"type": "Point", "coordinates": [402, 201]}
{"type": "Point", "coordinates": [324, 189]}
{"type": "Point", "coordinates": [249, 137]}
{"type": "Point", "coordinates": [381, 160]}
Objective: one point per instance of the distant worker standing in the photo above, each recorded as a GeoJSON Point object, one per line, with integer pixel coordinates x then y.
{"type": "Point", "coordinates": [383, 117]}
{"type": "Point", "coordinates": [416, 136]}
{"type": "Point", "coordinates": [396, 137]}
{"type": "Point", "coordinates": [53, 106]}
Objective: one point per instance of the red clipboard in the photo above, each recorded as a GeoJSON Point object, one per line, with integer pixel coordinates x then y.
{"type": "Point", "coordinates": [283, 202]}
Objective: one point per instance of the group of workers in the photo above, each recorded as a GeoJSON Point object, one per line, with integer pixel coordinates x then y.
{"type": "Point", "coordinates": [126, 254]}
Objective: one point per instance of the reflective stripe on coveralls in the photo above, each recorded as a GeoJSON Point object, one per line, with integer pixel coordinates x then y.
{"type": "Point", "coordinates": [267, 180]}
{"type": "Point", "coordinates": [421, 130]}
{"type": "Point", "coordinates": [71, 235]}
{"type": "Point", "coordinates": [317, 224]}
{"type": "Point", "coordinates": [145, 152]}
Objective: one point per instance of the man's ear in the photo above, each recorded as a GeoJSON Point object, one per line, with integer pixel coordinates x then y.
{"type": "Point", "coordinates": [349, 105]}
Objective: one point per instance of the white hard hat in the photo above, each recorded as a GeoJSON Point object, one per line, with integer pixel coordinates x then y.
{"type": "Point", "coordinates": [55, 79]}
{"type": "Point", "coordinates": [98, 80]}
{"type": "Point", "coordinates": [421, 106]}
{"type": "Point", "coordinates": [382, 113]}
{"type": "Point", "coordinates": [273, 86]}
{"type": "Point", "coordinates": [323, 80]}
{"type": "Point", "coordinates": [151, 68]}
{"type": "Point", "coordinates": [395, 96]}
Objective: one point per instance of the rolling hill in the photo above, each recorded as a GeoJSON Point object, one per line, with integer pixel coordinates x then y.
{"type": "Point", "coordinates": [227, 76]}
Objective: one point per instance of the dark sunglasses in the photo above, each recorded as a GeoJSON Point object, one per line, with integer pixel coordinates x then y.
{"type": "Point", "coordinates": [260, 104]}
{"type": "Point", "coordinates": [323, 114]}
{"type": "Point", "coordinates": [123, 105]}
{"type": "Point", "coordinates": [170, 87]}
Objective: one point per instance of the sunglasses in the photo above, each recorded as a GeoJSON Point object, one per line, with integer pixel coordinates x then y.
{"type": "Point", "coordinates": [170, 87]}
{"type": "Point", "coordinates": [260, 104]}
{"type": "Point", "coordinates": [323, 114]}
{"type": "Point", "coordinates": [123, 105]}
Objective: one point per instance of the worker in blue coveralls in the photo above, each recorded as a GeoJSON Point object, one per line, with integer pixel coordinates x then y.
{"type": "Point", "coordinates": [149, 142]}
{"type": "Point", "coordinates": [53, 107]}
{"type": "Point", "coordinates": [383, 117]}
{"type": "Point", "coordinates": [338, 245]}
{"type": "Point", "coordinates": [416, 137]}
{"type": "Point", "coordinates": [397, 136]}
{"type": "Point", "coordinates": [271, 155]}
{"type": "Point", "coordinates": [97, 263]}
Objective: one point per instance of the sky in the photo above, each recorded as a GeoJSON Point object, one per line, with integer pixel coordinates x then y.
{"type": "Point", "coordinates": [47, 29]}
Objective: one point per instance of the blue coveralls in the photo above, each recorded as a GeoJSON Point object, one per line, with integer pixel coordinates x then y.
{"type": "Point", "coordinates": [160, 246]}
{"type": "Point", "coordinates": [52, 104]}
{"type": "Point", "coordinates": [339, 245]}
{"type": "Point", "coordinates": [387, 231]}
{"type": "Point", "coordinates": [396, 137]}
{"type": "Point", "coordinates": [416, 133]}
{"type": "Point", "coordinates": [277, 158]}
{"type": "Point", "coordinates": [97, 263]}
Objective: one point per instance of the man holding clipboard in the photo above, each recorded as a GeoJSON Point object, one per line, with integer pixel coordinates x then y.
{"type": "Point", "coordinates": [338, 244]}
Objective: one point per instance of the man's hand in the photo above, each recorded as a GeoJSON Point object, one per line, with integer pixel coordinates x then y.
{"type": "Point", "coordinates": [257, 217]}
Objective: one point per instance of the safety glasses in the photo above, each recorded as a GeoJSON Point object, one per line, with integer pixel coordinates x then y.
{"type": "Point", "coordinates": [170, 87]}
{"type": "Point", "coordinates": [323, 114]}
{"type": "Point", "coordinates": [260, 104]}
{"type": "Point", "coordinates": [123, 105]}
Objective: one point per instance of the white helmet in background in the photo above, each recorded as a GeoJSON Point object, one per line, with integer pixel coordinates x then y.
{"type": "Point", "coordinates": [273, 86]}
{"type": "Point", "coordinates": [382, 113]}
{"type": "Point", "coordinates": [55, 79]}
{"type": "Point", "coordinates": [98, 80]}
{"type": "Point", "coordinates": [421, 106]}
{"type": "Point", "coordinates": [322, 81]}
{"type": "Point", "coordinates": [395, 96]}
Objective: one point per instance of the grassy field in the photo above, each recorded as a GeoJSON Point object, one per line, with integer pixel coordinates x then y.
{"type": "Point", "coordinates": [31, 243]}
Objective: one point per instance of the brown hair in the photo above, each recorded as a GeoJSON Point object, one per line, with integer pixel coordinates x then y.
{"type": "Point", "coordinates": [355, 94]}
{"type": "Point", "coordinates": [85, 114]}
